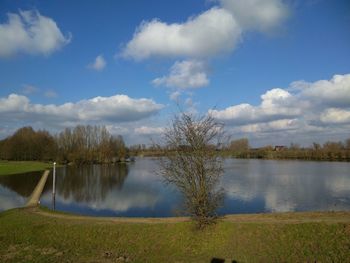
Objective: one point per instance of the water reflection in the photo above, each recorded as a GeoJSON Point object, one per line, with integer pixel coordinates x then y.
{"type": "Point", "coordinates": [281, 186]}
{"type": "Point", "coordinates": [10, 199]}
{"type": "Point", "coordinates": [122, 189]}
{"type": "Point", "coordinates": [22, 184]}
{"type": "Point", "coordinates": [90, 183]}
{"type": "Point", "coordinates": [134, 189]}
{"type": "Point", "coordinates": [15, 189]}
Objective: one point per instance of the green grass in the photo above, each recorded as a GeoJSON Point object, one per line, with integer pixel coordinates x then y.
{"type": "Point", "coordinates": [16, 167]}
{"type": "Point", "coordinates": [29, 236]}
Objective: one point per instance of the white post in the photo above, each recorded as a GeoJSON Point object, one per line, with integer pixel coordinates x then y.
{"type": "Point", "coordinates": [54, 185]}
{"type": "Point", "coordinates": [54, 179]}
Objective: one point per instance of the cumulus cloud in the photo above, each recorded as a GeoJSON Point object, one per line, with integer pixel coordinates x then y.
{"type": "Point", "coordinates": [271, 126]}
{"type": "Point", "coordinates": [301, 108]}
{"type": "Point", "coordinates": [211, 33]}
{"type": "Point", "coordinates": [30, 32]}
{"type": "Point", "coordinates": [193, 38]}
{"type": "Point", "coordinates": [117, 108]}
{"type": "Point", "coordinates": [262, 15]}
{"type": "Point", "coordinates": [276, 104]}
{"type": "Point", "coordinates": [335, 116]}
{"type": "Point", "coordinates": [215, 31]}
{"type": "Point", "coordinates": [99, 64]}
{"type": "Point", "coordinates": [185, 75]}
{"type": "Point", "coordinates": [334, 92]}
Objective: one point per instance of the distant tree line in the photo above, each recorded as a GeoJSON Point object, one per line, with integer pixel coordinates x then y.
{"type": "Point", "coordinates": [329, 151]}
{"type": "Point", "coordinates": [145, 150]}
{"type": "Point", "coordinates": [94, 144]}
{"type": "Point", "coordinates": [240, 148]}
{"type": "Point", "coordinates": [82, 144]}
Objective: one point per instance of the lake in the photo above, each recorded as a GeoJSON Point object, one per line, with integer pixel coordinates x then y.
{"type": "Point", "coordinates": [135, 190]}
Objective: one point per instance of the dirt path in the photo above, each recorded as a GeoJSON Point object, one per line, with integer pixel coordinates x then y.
{"type": "Point", "coordinates": [109, 219]}
{"type": "Point", "coordinates": [286, 218]}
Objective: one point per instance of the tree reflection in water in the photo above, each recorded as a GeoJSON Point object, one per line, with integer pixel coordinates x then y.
{"type": "Point", "coordinates": [22, 184]}
{"type": "Point", "coordinates": [90, 183]}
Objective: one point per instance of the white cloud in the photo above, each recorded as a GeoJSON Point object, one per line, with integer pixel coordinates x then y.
{"type": "Point", "coordinates": [213, 32]}
{"type": "Point", "coordinates": [29, 32]}
{"type": "Point", "coordinates": [262, 15]}
{"type": "Point", "coordinates": [117, 108]}
{"type": "Point", "coordinates": [146, 130]}
{"type": "Point", "coordinates": [303, 108]}
{"type": "Point", "coordinates": [185, 75]}
{"type": "Point", "coordinates": [13, 103]}
{"type": "Point", "coordinates": [335, 116]}
{"type": "Point", "coordinates": [276, 104]}
{"type": "Point", "coordinates": [271, 126]}
{"type": "Point", "coordinates": [210, 33]}
{"type": "Point", "coordinates": [99, 64]}
{"type": "Point", "coordinates": [333, 92]}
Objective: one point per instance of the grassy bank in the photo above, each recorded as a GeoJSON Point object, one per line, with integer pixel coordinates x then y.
{"type": "Point", "coordinates": [35, 235]}
{"type": "Point", "coordinates": [16, 167]}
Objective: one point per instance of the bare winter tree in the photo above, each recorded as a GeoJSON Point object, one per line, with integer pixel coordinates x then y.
{"type": "Point", "coordinates": [193, 165]}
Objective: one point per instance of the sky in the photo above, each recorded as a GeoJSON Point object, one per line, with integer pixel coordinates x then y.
{"type": "Point", "coordinates": [272, 71]}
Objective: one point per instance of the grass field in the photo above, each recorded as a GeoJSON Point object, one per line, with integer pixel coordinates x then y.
{"type": "Point", "coordinates": [36, 235]}
{"type": "Point", "coordinates": [14, 167]}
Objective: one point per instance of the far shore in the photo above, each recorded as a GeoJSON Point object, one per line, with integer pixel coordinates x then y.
{"type": "Point", "coordinates": [17, 167]}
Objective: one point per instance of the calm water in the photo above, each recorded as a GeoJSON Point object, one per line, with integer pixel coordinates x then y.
{"type": "Point", "coordinates": [251, 186]}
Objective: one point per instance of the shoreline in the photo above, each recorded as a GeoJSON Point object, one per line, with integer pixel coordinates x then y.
{"type": "Point", "coordinates": [280, 217]}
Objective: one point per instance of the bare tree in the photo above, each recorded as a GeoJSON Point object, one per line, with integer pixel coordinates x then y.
{"type": "Point", "coordinates": [89, 144]}
{"type": "Point", "coordinates": [193, 165]}
{"type": "Point", "coordinates": [240, 148]}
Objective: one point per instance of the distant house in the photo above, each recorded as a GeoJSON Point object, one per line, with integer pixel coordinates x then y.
{"type": "Point", "coordinates": [279, 148]}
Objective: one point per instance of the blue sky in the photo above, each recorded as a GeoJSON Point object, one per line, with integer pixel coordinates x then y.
{"type": "Point", "coordinates": [275, 71]}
